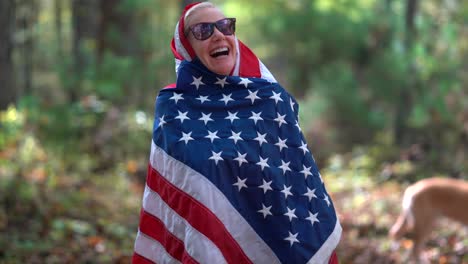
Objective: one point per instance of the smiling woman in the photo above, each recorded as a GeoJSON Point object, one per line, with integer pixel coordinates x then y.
{"type": "Point", "coordinates": [230, 177]}
{"type": "Point", "coordinates": [212, 37]}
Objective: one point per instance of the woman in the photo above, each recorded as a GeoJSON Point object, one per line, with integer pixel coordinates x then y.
{"type": "Point", "coordinates": [230, 177]}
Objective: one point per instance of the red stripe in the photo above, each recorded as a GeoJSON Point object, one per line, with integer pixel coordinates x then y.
{"type": "Point", "coordinates": [153, 227]}
{"type": "Point", "coordinates": [182, 37]}
{"type": "Point", "coordinates": [172, 85]}
{"type": "Point", "coordinates": [174, 51]}
{"type": "Point", "coordinates": [199, 217]}
{"type": "Point", "coordinates": [184, 40]}
{"type": "Point", "coordinates": [333, 258]}
{"type": "Point", "coordinates": [249, 64]}
{"type": "Point", "coordinates": [138, 259]}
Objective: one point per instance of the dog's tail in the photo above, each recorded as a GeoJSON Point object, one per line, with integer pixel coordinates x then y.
{"type": "Point", "coordinates": [405, 221]}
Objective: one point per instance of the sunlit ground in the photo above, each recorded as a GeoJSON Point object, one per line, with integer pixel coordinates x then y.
{"type": "Point", "coordinates": [368, 210]}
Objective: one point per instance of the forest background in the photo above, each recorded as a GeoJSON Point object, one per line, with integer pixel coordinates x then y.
{"type": "Point", "coordinates": [383, 87]}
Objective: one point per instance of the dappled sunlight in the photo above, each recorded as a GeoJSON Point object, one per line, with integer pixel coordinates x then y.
{"type": "Point", "coordinates": [368, 204]}
{"type": "Point", "coordinates": [381, 88]}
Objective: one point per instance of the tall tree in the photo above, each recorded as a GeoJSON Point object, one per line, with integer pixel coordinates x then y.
{"type": "Point", "coordinates": [58, 10]}
{"type": "Point", "coordinates": [26, 18]}
{"type": "Point", "coordinates": [122, 31]}
{"type": "Point", "coordinates": [84, 18]}
{"type": "Point", "coordinates": [7, 84]}
{"type": "Point", "coordinates": [117, 29]}
{"type": "Point", "coordinates": [406, 100]}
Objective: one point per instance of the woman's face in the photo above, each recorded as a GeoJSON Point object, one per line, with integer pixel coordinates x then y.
{"type": "Point", "coordinates": [212, 51]}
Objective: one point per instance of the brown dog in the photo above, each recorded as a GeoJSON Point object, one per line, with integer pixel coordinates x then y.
{"type": "Point", "coordinates": [424, 202]}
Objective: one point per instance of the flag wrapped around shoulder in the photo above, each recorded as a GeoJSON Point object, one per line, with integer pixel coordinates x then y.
{"type": "Point", "coordinates": [231, 178]}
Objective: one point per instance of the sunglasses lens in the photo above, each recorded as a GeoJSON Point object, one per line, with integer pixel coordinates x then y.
{"type": "Point", "coordinates": [226, 26]}
{"type": "Point", "coordinates": [203, 31]}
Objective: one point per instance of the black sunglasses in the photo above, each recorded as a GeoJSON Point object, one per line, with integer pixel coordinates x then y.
{"type": "Point", "coordinates": [202, 31]}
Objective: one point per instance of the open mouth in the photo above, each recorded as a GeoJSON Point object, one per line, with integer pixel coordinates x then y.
{"type": "Point", "coordinates": [224, 51]}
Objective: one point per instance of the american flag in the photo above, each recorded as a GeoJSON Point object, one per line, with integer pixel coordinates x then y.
{"type": "Point", "coordinates": [231, 178]}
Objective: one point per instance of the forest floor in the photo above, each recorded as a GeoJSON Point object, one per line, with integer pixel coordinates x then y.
{"type": "Point", "coordinates": [101, 222]}
{"type": "Point", "coordinates": [367, 213]}
{"type": "Point", "coordinates": [69, 208]}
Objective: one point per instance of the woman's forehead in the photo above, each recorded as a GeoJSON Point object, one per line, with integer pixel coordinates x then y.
{"type": "Point", "coordinates": [208, 14]}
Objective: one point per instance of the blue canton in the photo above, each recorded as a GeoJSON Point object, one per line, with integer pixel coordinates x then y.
{"type": "Point", "coordinates": [243, 135]}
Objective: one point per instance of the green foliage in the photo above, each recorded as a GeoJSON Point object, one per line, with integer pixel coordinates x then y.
{"type": "Point", "coordinates": [11, 122]}
{"type": "Point", "coordinates": [58, 190]}
{"type": "Point", "coordinates": [327, 40]}
{"type": "Point", "coordinates": [348, 62]}
{"type": "Point", "coordinates": [114, 73]}
{"type": "Point", "coordinates": [354, 55]}
{"type": "Point", "coordinates": [337, 83]}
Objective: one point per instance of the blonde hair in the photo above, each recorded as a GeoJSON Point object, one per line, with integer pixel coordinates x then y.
{"type": "Point", "coordinates": [193, 9]}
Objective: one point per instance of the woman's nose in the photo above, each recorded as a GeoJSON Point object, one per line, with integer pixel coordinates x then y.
{"type": "Point", "coordinates": [217, 34]}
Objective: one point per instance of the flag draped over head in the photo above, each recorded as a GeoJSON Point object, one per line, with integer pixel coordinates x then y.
{"type": "Point", "coordinates": [230, 176]}
{"type": "Point", "coordinates": [247, 64]}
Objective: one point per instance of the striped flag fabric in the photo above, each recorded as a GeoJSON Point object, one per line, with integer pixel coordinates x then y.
{"type": "Point", "coordinates": [231, 178]}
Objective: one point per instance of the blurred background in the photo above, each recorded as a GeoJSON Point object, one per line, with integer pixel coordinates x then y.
{"type": "Point", "coordinates": [383, 87]}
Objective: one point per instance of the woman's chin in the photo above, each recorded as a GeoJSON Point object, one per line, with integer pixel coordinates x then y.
{"type": "Point", "coordinates": [222, 65]}
{"type": "Point", "coordinates": [222, 68]}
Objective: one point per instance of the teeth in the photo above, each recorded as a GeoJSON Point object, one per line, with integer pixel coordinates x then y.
{"type": "Point", "coordinates": [219, 50]}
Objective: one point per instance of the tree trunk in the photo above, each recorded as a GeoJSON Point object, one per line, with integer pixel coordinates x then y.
{"type": "Point", "coordinates": [84, 20]}
{"type": "Point", "coordinates": [58, 9]}
{"type": "Point", "coordinates": [7, 85]}
{"type": "Point", "coordinates": [119, 36]}
{"type": "Point", "coordinates": [26, 21]}
{"type": "Point", "coordinates": [406, 100]}
{"type": "Point", "coordinates": [115, 20]}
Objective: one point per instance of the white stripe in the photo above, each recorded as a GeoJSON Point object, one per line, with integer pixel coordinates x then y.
{"type": "Point", "coordinates": [202, 190]}
{"type": "Point", "coordinates": [323, 254]}
{"type": "Point", "coordinates": [237, 66]}
{"type": "Point", "coordinates": [196, 244]}
{"type": "Point", "coordinates": [152, 250]}
{"type": "Point", "coordinates": [177, 65]}
{"type": "Point", "coordinates": [266, 74]}
{"type": "Point", "coordinates": [179, 47]}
